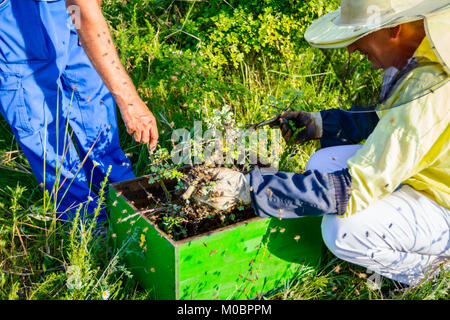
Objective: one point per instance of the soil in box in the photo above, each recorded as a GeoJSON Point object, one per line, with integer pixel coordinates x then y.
{"type": "Point", "coordinates": [232, 256]}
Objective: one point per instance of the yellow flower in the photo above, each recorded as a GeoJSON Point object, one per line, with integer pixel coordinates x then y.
{"type": "Point", "coordinates": [142, 239]}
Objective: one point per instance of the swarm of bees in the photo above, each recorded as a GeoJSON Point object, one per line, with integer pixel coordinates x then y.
{"type": "Point", "coordinates": [193, 217]}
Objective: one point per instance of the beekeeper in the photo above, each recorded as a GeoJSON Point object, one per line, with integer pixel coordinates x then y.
{"type": "Point", "coordinates": [385, 203]}
{"type": "Point", "coordinates": [51, 75]}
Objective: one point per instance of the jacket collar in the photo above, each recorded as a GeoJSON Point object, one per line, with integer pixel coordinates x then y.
{"type": "Point", "coordinates": [437, 27]}
{"type": "Point", "coordinates": [425, 50]}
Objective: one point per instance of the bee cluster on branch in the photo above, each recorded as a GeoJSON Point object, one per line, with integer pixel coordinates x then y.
{"type": "Point", "coordinates": [183, 216]}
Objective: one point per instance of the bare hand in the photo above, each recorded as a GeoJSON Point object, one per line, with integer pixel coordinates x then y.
{"type": "Point", "coordinates": [140, 122]}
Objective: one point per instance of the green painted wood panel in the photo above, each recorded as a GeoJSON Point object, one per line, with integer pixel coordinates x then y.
{"type": "Point", "coordinates": [148, 255]}
{"type": "Point", "coordinates": [236, 262]}
{"type": "Point", "coordinates": [248, 260]}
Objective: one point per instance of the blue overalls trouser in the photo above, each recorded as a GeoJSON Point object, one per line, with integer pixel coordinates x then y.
{"type": "Point", "coordinates": [46, 82]}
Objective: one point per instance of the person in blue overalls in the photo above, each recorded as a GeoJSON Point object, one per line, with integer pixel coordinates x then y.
{"type": "Point", "coordinates": [58, 69]}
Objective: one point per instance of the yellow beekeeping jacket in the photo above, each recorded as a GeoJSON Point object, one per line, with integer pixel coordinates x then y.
{"type": "Point", "coordinates": [411, 143]}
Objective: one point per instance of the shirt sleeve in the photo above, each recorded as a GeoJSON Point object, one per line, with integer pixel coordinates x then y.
{"type": "Point", "coordinates": [293, 195]}
{"type": "Point", "coordinates": [341, 127]}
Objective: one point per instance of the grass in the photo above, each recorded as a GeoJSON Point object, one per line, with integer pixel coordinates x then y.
{"type": "Point", "coordinates": [189, 61]}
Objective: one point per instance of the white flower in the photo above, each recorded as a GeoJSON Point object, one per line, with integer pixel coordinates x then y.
{"type": "Point", "coordinates": [105, 294]}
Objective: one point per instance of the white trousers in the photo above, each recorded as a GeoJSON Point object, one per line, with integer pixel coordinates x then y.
{"type": "Point", "coordinates": [402, 236]}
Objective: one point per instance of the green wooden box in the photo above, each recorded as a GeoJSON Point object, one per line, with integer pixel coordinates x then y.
{"type": "Point", "coordinates": [241, 261]}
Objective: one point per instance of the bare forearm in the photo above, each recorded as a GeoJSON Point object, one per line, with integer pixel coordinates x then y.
{"type": "Point", "coordinates": [98, 45]}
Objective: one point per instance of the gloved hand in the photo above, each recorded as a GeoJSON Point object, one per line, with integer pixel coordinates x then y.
{"type": "Point", "coordinates": [310, 121]}
{"type": "Point", "coordinates": [229, 188]}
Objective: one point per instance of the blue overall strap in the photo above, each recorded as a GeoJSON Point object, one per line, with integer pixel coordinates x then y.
{"type": "Point", "coordinates": [344, 128]}
{"type": "Point", "coordinates": [293, 195]}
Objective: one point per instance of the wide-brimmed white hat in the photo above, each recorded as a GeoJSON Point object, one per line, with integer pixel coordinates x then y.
{"type": "Point", "coordinates": [357, 18]}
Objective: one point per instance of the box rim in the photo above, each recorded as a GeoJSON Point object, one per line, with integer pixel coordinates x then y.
{"type": "Point", "coordinates": [178, 243]}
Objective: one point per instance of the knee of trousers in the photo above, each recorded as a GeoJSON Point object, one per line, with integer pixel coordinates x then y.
{"type": "Point", "coordinates": [338, 235]}
{"type": "Point", "coordinates": [331, 159]}
{"type": "Point", "coordinates": [330, 233]}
